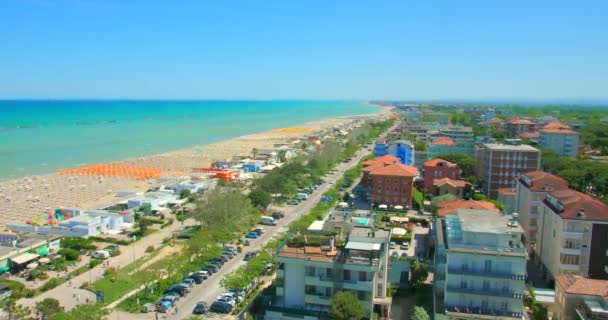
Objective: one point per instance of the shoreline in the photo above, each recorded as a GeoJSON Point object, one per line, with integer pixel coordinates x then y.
{"type": "Point", "coordinates": [22, 198]}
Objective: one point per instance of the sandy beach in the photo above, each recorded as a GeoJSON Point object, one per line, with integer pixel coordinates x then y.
{"type": "Point", "coordinates": [26, 197]}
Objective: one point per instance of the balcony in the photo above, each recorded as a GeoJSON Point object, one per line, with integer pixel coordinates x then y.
{"type": "Point", "coordinates": [480, 313]}
{"type": "Point", "coordinates": [582, 313]}
{"type": "Point", "coordinates": [571, 251]}
{"type": "Point", "coordinates": [568, 267]}
{"type": "Point", "coordinates": [324, 281]}
{"type": "Point", "coordinates": [483, 273]}
{"type": "Point", "coordinates": [487, 292]}
{"type": "Point", "coordinates": [317, 299]}
{"type": "Point", "coordinates": [573, 235]}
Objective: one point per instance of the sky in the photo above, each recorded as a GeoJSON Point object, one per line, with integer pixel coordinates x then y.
{"type": "Point", "coordinates": [232, 49]}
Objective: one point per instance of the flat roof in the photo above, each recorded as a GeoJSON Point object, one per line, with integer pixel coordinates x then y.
{"type": "Point", "coordinates": [356, 245]}
{"type": "Point", "coordinates": [486, 221]}
{"type": "Point", "coordinates": [316, 226]}
{"type": "Point", "coordinates": [509, 147]}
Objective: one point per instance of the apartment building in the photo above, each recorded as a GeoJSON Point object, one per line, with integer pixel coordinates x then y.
{"type": "Point", "coordinates": [402, 149]}
{"type": "Point", "coordinates": [559, 138]}
{"type": "Point", "coordinates": [438, 168]}
{"type": "Point", "coordinates": [581, 298]}
{"type": "Point", "coordinates": [531, 188]}
{"type": "Point", "coordinates": [498, 165]}
{"type": "Point", "coordinates": [516, 126]}
{"type": "Point", "coordinates": [573, 235]}
{"type": "Point", "coordinates": [309, 276]}
{"type": "Point", "coordinates": [464, 140]}
{"type": "Point", "coordinates": [480, 266]}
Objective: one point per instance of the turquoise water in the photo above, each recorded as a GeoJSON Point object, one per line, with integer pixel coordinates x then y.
{"type": "Point", "coordinates": [362, 221]}
{"type": "Point", "coordinates": [39, 137]}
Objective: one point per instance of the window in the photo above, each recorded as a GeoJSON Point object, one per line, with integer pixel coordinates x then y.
{"type": "Point", "coordinates": [346, 275]}
{"type": "Point", "coordinates": [310, 271]}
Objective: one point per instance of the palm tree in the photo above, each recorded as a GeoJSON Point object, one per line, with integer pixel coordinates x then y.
{"type": "Point", "coordinates": [254, 151]}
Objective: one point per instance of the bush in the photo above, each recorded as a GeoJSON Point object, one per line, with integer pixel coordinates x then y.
{"type": "Point", "coordinates": [51, 284]}
{"type": "Point", "coordinates": [69, 254]}
{"type": "Point", "coordinates": [78, 243]}
{"type": "Point", "coordinates": [149, 249]}
{"type": "Point", "coordinates": [93, 263]}
{"type": "Point", "coordinates": [29, 293]}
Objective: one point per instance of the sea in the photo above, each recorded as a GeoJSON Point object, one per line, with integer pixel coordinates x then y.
{"type": "Point", "coordinates": [39, 137]}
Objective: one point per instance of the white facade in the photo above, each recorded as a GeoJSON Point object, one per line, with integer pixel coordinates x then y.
{"type": "Point", "coordinates": [485, 267]}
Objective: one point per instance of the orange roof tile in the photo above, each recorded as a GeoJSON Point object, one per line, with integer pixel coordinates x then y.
{"type": "Point", "coordinates": [436, 161]}
{"type": "Point", "coordinates": [394, 169]}
{"type": "Point", "coordinates": [543, 181]}
{"type": "Point", "coordinates": [558, 130]}
{"type": "Point", "coordinates": [453, 183]}
{"type": "Point", "coordinates": [382, 159]}
{"type": "Point", "coordinates": [579, 206]}
{"type": "Point", "coordinates": [575, 284]}
{"type": "Point", "coordinates": [443, 141]}
{"type": "Point", "coordinates": [529, 135]}
{"type": "Point", "coordinates": [450, 206]}
{"type": "Point", "coordinates": [520, 121]}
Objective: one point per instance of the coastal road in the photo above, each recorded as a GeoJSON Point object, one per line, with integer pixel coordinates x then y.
{"type": "Point", "coordinates": [210, 289]}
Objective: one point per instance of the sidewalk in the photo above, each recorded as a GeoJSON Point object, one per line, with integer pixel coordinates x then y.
{"type": "Point", "coordinates": [70, 295]}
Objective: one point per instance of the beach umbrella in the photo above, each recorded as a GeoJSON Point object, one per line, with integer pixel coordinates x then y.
{"type": "Point", "coordinates": [382, 206]}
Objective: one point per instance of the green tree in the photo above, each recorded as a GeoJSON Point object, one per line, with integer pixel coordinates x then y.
{"type": "Point", "coordinates": [254, 152]}
{"type": "Point", "coordinates": [465, 163]}
{"type": "Point", "coordinates": [16, 311]}
{"type": "Point", "coordinates": [419, 272]}
{"type": "Point", "coordinates": [419, 313]}
{"type": "Point", "coordinates": [260, 198]}
{"type": "Point", "coordinates": [345, 306]}
{"type": "Point", "coordinates": [84, 312]}
{"type": "Point", "coordinates": [48, 308]}
{"type": "Point", "coordinates": [143, 225]}
{"type": "Point", "coordinates": [237, 279]}
{"type": "Point", "coordinates": [185, 193]}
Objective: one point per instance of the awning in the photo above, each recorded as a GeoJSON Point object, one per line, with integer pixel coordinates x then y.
{"type": "Point", "coordinates": [26, 257]}
{"type": "Point", "coordinates": [399, 231]}
{"type": "Point", "coordinates": [354, 245]}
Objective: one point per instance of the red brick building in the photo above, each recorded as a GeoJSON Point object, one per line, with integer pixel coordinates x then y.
{"type": "Point", "coordinates": [499, 165]}
{"type": "Point", "coordinates": [438, 168]}
{"type": "Point", "coordinates": [369, 165]}
{"type": "Point", "coordinates": [392, 184]}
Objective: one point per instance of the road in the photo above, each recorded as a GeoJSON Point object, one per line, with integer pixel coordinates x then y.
{"type": "Point", "coordinates": [210, 289]}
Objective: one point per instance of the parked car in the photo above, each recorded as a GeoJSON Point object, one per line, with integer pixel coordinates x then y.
{"type": "Point", "coordinates": [197, 277]}
{"type": "Point", "coordinates": [229, 253]}
{"type": "Point", "coordinates": [259, 230]}
{"type": "Point", "coordinates": [100, 254]}
{"type": "Point", "coordinates": [227, 299]}
{"type": "Point", "coordinates": [404, 254]}
{"type": "Point", "coordinates": [174, 294]}
{"type": "Point", "coordinates": [278, 215]}
{"type": "Point", "coordinates": [252, 235]}
{"type": "Point", "coordinates": [405, 246]}
{"type": "Point", "coordinates": [395, 254]}
{"type": "Point", "coordinates": [204, 273]}
{"type": "Point", "coordinates": [178, 289]}
{"type": "Point", "coordinates": [212, 268]}
{"type": "Point", "coordinates": [293, 202]}
{"type": "Point", "coordinates": [249, 255]}
{"type": "Point", "coordinates": [169, 298]}
{"type": "Point", "coordinates": [219, 261]}
{"type": "Point", "coordinates": [237, 294]}
{"type": "Point", "coordinates": [220, 307]}
{"type": "Point", "coordinates": [189, 281]}
{"type": "Point", "coordinates": [232, 249]}
{"type": "Point", "coordinates": [184, 285]}
{"type": "Point", "coordinates": [201, 307]}
{"type": "Point", "coordinates": [392, 245]}
{"type": "Point", "coordinates": [113, 249]}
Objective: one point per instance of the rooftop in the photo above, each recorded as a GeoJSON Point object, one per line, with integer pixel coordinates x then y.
{"type": "Point", "coordinates": [443, 141]}
{"type": "Point", "coordinates": [571, 204]}
{"type": "Point", "coordinates": [529, 135]}
{"type": "Point", "coordinates": [453, 183]}
{"type": "Point", "coordinates": [520, 121]}
{"type": "Point", "coordinates": [381, 160]}
{"type": "Point", "coordinates": [456, 128]}
{"type": "Point", "coordinates": [435, 162]}
{"type": "Point", "coordinates": [486, 221]}
{"type": "Point", "coordinates": [509, 147]}
{"type": "Point", "coordinates": [542, 181]}
{"type": "Point", "coordinates": [574, 284]}
{"type": "Point", "coordinates": [394, 169]}
{"type": "Point", "coordinates": [450, 207]}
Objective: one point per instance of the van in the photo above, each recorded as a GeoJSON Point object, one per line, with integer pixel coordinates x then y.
{"type": "Point", "coordinates": [100, 254]}
{"type": "Point", "coordinates": [301, 196]}
{"type": "Point", "coordinates": [270, 221]}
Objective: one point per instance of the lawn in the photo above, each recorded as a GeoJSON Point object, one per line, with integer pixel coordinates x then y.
{"type": "Point", "coordinates": [125, 283]}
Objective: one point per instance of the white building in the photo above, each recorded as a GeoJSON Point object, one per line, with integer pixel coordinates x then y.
{"type": "Point", "coordinates": [82, 223]}
{"type": "Point", "coordinates": [483, 267]}
{"type": "Point", "coordinates": [309, 276]}
{"type": "Point", "coordinates": [157, 201]}
{"type": "Point", "coordinates": [530, 191]}
{"type": "Point", "coordinates": [559, 138]}
{"type": "Point", "coordinates": [573, 235]}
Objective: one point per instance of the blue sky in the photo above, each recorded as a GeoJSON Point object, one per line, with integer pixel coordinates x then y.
{"type": "Point", "coordinates": [249, 49]}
